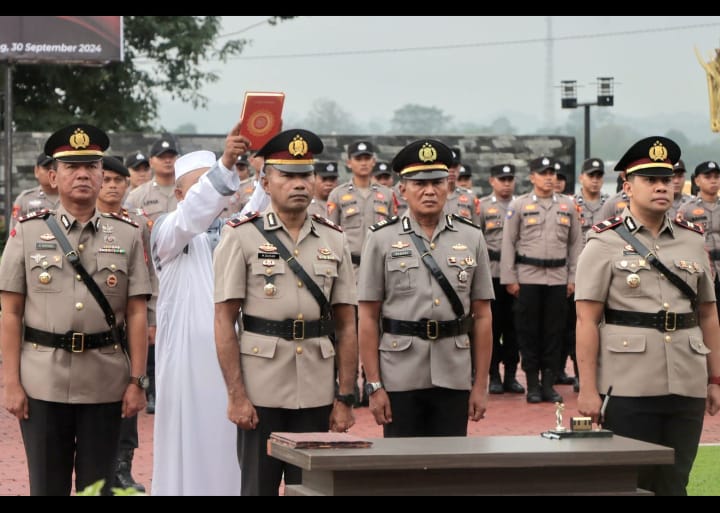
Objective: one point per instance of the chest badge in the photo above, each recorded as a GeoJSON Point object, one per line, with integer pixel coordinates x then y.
{"type": "Point", "coordinates": [37, 258]}
{"type": "Point", "coordinates": [44, 278]}
{"type": "Point", "coordinates": [633, 281]}
{"type": "Point", "coordinates": [47, 236]}
{"type": "Point", "coordinates": [270, 289]}
{"type": "Point", "coordinates": [400, 245]}
{"type": "Point", "coordinates": [459, 247]}
{"type": "Point", "coordinates": [463, 276]}
{"type": "Point", "coordinates": [111, 281]}
{"type": "Point", "coordinates": [267, 248]}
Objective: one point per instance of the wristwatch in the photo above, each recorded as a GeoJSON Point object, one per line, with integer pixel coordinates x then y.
{"type": "Point", "coordinates": [346, 399]}
{"type": "Point", "coordinates": [141, 381]}
{"type": "Point", "coordinates": [373, 386]}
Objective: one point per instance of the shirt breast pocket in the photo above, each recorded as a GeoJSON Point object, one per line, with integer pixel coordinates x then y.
{"type": "Point", "coordinates": [402, 274]}
{"type": "Point", "coordinates": [690, 271]}
{"type": "Point", "coordinates": [45, 273]}
{"type": "Point", "coordinates": [351, 217]}
{"type": "Point", "coordinates": [636, 274]}
{"type": "Point", "coordinates": [268, 279]}
{"type": "Point", "coordinates": [325, 275]}
{"type": "Point", "coordinates": [532, 223]}
{"type": "Point", "coordinates": [562, 222]}
{"type": "Point", "coordinates": [112, 274]}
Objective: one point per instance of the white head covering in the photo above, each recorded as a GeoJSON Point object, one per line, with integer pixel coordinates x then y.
{"type": "Point", "coordinates": [192, 161]}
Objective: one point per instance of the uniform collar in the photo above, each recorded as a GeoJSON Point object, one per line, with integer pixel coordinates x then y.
{"type": "Point", "coordinates": [271, 222]}
{"type": "Point", "coordinates": [67, 220]}
{"type": "Point", "coordinates": [410, 224]}
{"type": "Point", "coordinates": [634, 226]}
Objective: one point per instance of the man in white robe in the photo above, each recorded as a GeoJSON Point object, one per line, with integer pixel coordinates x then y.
{"type": "Point", "coordinates": [194, 442]}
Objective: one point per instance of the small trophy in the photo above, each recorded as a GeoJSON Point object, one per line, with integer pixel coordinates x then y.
{"type": "Point", "coordinates": [559, 428]}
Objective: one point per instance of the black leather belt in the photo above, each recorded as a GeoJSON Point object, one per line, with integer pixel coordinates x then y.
{"type": "Point", "coordinates": [494, 255]}
{"type": "Point", "coordinates": [428, 329]}
{"type": "Point", "coordinates": [291, 329]}
{"type": "Point", "coordinates": [714, 254]}
{"type": "Point", "coordinates": [355, 258]}
{"type": "Point", "coordinates": [72, 341]}
{"type": "Point", "coordinates": [661, 321]}
{"type": "Point", "coordinates": [540, 262]}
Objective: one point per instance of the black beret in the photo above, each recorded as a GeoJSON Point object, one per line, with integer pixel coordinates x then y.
{"type": "Point", "coordinates": [77, 143]}
{"type": "Point", "coordinates": [292, 151]}
{"type": "Point", "coordinates": [651, 156]}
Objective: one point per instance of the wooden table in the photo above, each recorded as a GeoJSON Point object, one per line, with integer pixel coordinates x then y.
{"type": "Point", "coordinates": [494, 465]}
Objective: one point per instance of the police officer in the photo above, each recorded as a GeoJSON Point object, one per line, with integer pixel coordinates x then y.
{"type": "Point", "coordinates": [42, 196]}
{"type": "Point", "coordinates": [114, 186]}
{"type": "Point", "coordinates": [590, 199]}
{"type": "Point", "coordinates": [464, 179]}
{"type": "Point", "coordinates": [460, 201]}
{"type": "Point", "coordinates": [424, 307]}
{"type": "Point", "coordinates": [649, 331]}
{"type": "Point", "coordinates": [493, 209]}
{"type": "Point", "coordinates": [541, 243]}
{"type": "Point", "coordinates": [280, 375]}
{"type": "Point", "coordinates": [382, 174]}
{"type": "Point", "coordinates": [152, 199]}
{"type": "Point", "coordinates": [326, 178]}
{"type": "Point", "coordinates": [138, 166]}
{"type": "Point", "coordinates": [67, 378]}
{"type": "Point", "coordinates": [247, 185]}
{"type": "Point", "coordinates": [705, 211]}
{"type": "Point", "coordinates": [616, 204]}
{"type": "Point", "coordinates": [678, 182]}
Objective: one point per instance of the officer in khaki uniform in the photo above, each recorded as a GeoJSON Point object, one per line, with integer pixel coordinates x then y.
{"type": "Point", "coordinates": [590, 199]}
{"type": "Point", "coordinates": [358, 204]}
{"type": "Point", "coordinates": [459, 201]}
{"type": "Point", "coordinates": [152, 199]}
{"type": "Point", "coordinates": [280, 375]}
{"type": "Point", "coordinates": [247, 185]}
{"type": "Point", "coordinates": [541, 243]}
{"type": "Point", "coordinates": [41, 197]}
{"type": "Point", "coordinates": [419, 343]}
{"type": "Point", "coordinates": [678, 182]}
{"type": "Point", "coordinates": [67, 378]}
{"type": "Point", "coordinates": [492, 213]}
{"type": "Point", "coordinates": [705, 211]}
{"type": "Point", "coordinates": [326, 178]}
{"type": "Point", "coordinates": [639, 333]}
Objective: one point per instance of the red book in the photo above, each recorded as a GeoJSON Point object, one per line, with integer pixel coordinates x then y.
{"type": "Point", "coordinates": [261, 117]}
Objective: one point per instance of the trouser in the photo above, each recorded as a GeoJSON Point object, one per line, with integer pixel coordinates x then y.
{"type": "Point", "coordinates": [262, 474]}
{"type": "Point", "coordinates": [60, 437]}
{"type": "Point", "coordinates": [540, 320]}
{"type": "Point", "coordinates": [129, 433]}
{"type": "Point", "coordinates": [670, 420]}
{"type": "Point", "coordinates": [150, 368]}
{"type": "Point", "coordinates": [428, 412]}
{"type": "Point", "coordinates": [717, 293]}
{"type": "Point", "coordinates": [567, 343]}
{"type": "Point", "coordinates": [505, 346]}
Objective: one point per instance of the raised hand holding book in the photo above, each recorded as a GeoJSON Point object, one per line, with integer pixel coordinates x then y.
{"type": "Point", "coordinates": [261, 117]}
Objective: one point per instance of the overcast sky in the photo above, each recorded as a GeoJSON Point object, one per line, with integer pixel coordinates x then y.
{"type": "Point", "coordinates": [475, 69]}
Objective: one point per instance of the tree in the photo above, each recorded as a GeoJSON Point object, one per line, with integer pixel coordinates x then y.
{"type": "Point", "coordinates": [418, 119]}
{"type": "Point", "coordinates": [162, 53]}
{"type": "Point", "coordinates": [327, 117]}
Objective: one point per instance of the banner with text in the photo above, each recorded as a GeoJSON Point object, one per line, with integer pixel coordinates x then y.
{"type": "Point", "coordinates": [61, 39]}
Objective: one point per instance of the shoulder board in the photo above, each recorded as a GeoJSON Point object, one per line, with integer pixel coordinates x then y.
{"type": "Point", "coordinates": [385, 222]}
{"type": "Point", "coordinates": [38, 214]}
{"type": "Point", "coordinates": [121, 217]}
{"type": "Point", "coordinates": [694, 227]}
{"type": "Point", "coordinates": [327, 222]}
{"type": "Point", "coordinates": [237, 221]}
{"type": "Point", "coordinates": [465, 220]}
{"type": "Point", "coordinates": [607, 224]}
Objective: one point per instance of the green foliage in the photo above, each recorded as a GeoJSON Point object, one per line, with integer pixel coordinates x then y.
{"type": "Point", "coordinates": [162, 54]}
{"type": "Point", "coordinates": [418, 119]}
{"type": "Point", "coordinates": [95, 490]}
{"type": "Point", "coordinates": [705, 474]}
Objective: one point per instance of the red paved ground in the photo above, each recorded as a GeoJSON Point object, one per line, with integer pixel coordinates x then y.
{"type": "Point", "coordinates": [508, 414]}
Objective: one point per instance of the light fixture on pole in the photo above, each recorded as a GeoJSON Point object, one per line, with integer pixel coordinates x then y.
{"type": "Point", "coordinates": [605, 98]}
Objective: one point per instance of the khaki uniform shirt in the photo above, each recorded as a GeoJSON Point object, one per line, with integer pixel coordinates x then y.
{"type": "Point", "coordinates": [400, 203]}
{"type": "Point", "coordinates": [491, 218]}
{"type": "Point", "coordinates": [355, 213]}
{"type": "Point", "coordinates": [152, 199]}
{"type": "Point", "coordinates": [638, 361]}
{"type": "Point", "coordinates": [32, 200]}
{"type": "Point", "coordinates": [589, 211]}
{"type": "Point", "coordinates": [281, 373]}
{"type": "Point", "coordinates": [462, 202]}
{"type": "Point", "coordinates": [679, 202]}
{"type": "Point", "coordinates": [33, 264]}
{"type": "Point", "coordinates": [614, 206]}
{"type": "Point", "coordinates": [317, 206]}
{"type": "Point", "coordinates": [145, 224]}
{"type": "Point", "coordinates": [547, 233]}
{"type": "Point", "coordinates": [392, 271]}
{"type": "Point", "coordinates": [240, 198]}
{"type": "Point", "coordinates": [706, 215]}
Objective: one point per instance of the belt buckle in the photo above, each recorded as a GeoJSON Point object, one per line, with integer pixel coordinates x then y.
{"type": "Point", "coordinates": [73, 347]}
{"type": "Point", "coordinates": [428, 329]}
{"type": "Point", "coordinates": [296, 323]}
{"type": "Point", "coordinates": [674, 321]}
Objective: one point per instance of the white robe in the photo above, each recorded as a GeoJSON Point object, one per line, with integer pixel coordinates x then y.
{"type": "Point", "coordinates": [194, 442]}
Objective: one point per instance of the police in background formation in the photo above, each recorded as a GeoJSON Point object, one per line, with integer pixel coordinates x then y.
{"type": "Point", "coordinates": [77, 282]}
{"type": "Point", "coordinates": [705, 211]}
{"type": "Point", "coordinates": [541, 243]}
{"type": "Point", "coordinates": [459, 201]}
{"type": "Point", "coordinates": [153, 199]}
{"type": "Point", "coordinates": [43, 196]}
{"type": "Point", "coordinates": [590, 199]}
{"type": "Point", "coordinates": [616, 204]}
{"type": "Point", "coordinates": [326, 178]}
{"type": "Point", "coordinates": [678, 182]}
{"type": "Point", "coordinates": [114, 186]}
{"type": "Point", "coordinates": [382, 174]}
{"type": "Point", "coordinates": [138, 166]}
{"type": "Point", "coordinates": [493, 210]}
{"type": "Point", "coordinates": [647, 322]}
{"type": "Point", "coordinates": [464, 179]}
{"type": "Point", "coordinates": [424, 316]}
{"type": "Point", "coordinates": [292, 276]}
{"type": "Point", "coordinates": [247, 185]}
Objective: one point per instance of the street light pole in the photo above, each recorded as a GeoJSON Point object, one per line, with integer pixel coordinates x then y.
{"type": "Point", "coordinates": [605, 98]}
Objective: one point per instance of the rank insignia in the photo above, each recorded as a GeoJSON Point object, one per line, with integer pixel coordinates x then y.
{"type": "Point", "coordinates": [452, 260]}
{"type": "Point", "coordinates": [267, 248]}
{"type": "Point", "coordinates": [469, 261]}
{"type": "Point", "coordinates": [400, 245]}
{"type": "Point", "coordinates": [346, 197]}
{"type": "Point", "coordinates": [459, 247]}
{"type": "Point", "coordinates": [37, 257]}
{"type": "Point", "coordinates": [47, 236]}
{"type": "Point", "coordinates": [106, 228]}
